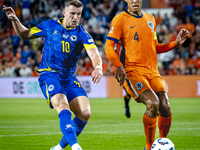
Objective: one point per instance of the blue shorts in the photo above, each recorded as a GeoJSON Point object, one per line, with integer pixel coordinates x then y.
{"type": "Point", "coordinates": [53, 83]}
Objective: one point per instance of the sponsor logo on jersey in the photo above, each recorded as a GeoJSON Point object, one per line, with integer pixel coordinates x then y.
{"type": "Point", "coordinates": [139, 85]}
{"type": "Point", "coordinates": [132, 26]}
{"type": "Point", "coordinates": [51, 88]}
{"type": "Point", "coordinates": [55, 32]}
{"type": "Point", "coordinates": [73, 38]}
{"type": "Point", "coordinates": [111, 29]}
{"type": "Point", "coordinates": [65, 36]}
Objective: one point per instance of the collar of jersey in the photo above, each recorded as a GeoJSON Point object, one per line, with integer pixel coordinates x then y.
{"type": "Point", "coordinates": [59, 21]}
{"type": "Point", "coordinates": [134, 15]}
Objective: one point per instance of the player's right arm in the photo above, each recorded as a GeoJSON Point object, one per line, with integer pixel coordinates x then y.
{"type": "Point", "coordinates": [120, 73]}
{"type": "Point", "coordinates": [114, 35]}
{"type": "Point", "coordinates": [21, 30]}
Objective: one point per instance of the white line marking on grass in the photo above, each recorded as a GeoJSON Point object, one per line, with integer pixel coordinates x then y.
{"type": "Point", "coordinates": [6, 127]}
{"type": "Point", "coordinates": [30, 134]}
{"type": "Point", "coordinates": [90, 132]}
{"type": "Point", "coordinates": [181, 123]}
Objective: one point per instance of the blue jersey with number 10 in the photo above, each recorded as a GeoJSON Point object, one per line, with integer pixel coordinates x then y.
{"type": "Point", "coordinates": [62, 46]}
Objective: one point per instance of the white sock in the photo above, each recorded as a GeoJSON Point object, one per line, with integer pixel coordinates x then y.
{"type": "Point", "coordinates": [76, 146]}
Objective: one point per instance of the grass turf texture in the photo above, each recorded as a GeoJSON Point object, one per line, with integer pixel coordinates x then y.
{"type": "Point", "coordinates": [28, 124]}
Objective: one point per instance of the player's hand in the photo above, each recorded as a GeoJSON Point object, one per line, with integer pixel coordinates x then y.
{"type": "Point", "coordinates": [182, 36]}
{"type": "Point", "coordinates": [96, 75]}
{"type": "Point", "coordinates": [10, 13]}
{"type": "Point", "coordinates": [120, 75]}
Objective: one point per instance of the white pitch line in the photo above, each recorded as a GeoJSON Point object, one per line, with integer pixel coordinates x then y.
{"type": "Point", "coordinates": [6, 127]}
{"type": "Point", "coordinates": [30, 134]}
{"type": "Point", "coordinates": [181, 123]}
{"type": "Point", "coordinates": [91, 132]}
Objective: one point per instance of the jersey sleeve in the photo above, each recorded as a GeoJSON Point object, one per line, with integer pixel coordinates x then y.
{"type": "Point", "coordinates": [87, 40]}
{"type": "Point", "coordinates": [40, 30]}
{"type": "Point", "coordinates": [116, 28]}
{"type": "Point", "coordinates": [162, 48]}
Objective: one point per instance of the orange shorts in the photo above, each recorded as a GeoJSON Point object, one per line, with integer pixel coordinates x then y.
{"type": "Point", "coordinates": [138, 82]}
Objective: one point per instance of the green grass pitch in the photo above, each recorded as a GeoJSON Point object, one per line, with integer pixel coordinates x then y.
{"type": "Point", "coordinates": [28, 124]}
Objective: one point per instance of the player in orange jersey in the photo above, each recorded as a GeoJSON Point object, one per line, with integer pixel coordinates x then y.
{"type": "Point", "coordinates": [136, 65]}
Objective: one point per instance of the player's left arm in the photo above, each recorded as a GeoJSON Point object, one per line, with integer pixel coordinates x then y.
{"type": "Point", "coordinates": [180, 39]}
{"type": "Point", "coordinates": [95, 57]}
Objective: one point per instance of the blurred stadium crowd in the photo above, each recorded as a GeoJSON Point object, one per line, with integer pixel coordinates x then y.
{"type": "Point", "coordinates": [22, 57]}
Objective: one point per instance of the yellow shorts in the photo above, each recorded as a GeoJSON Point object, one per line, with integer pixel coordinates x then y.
{"type": "Point", "coordinates": [139, 82]}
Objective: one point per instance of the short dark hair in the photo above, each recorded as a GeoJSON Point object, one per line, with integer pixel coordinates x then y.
{"type": "Point", "coordinates": [76, 3]}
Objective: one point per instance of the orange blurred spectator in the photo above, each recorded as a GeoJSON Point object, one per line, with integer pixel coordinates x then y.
{"type": "Point", "coordinates": [197, 62]}
{"type": "Point", "coordinates": [88, 63]}
{"type": "Point", "coordinates": [172, 70]}
{"type": "Point", "coordinates": [189, 26]}
{"type": "Point", "coordinates": [190, 65]}
{"type": "Point", "coordinates": [1, 56]}
{"type": "Point", "coordinates": [158, 19]}
{"type": "Point", "coordinates": [8, 54]}
{"type": "Point", "coordinates": [18, 54]}
{"type": "Point", "coordinates": [18, 10]}
{"type": "Point", "coordinates": [178, 64]}
{"type": "Point", "coordinates": [34, 71]}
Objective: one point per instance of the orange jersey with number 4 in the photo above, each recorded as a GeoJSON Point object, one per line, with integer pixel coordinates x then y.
{"type": "Point", "coordinates": [136, 38]}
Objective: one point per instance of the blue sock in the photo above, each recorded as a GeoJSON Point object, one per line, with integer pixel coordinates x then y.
{"type": "Point", "coordinates": [79, 125]}
{"type": "Point", "coordinates": [67, 127]}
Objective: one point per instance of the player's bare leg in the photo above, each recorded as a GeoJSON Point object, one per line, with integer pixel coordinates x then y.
{"type": "Point", "coordinates": [80, 106]}
{"type": "Point", "coordinates": [150, 99]}
{"type": "Point", "coordinates": [60, 103]}
{"type": "Point", "coordinates": [165, 115]}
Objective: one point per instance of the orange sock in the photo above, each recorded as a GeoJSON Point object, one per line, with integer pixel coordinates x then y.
{"type": "Point", "coordinates": [164, 125]}
{"type": "Point", "coordinates": [150, 130]}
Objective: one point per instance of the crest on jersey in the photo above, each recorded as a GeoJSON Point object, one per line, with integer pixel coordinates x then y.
{"type": "Point", "coordinates": [73, 38]}
{"type": "Point", "coordinates": [150, 24]}
{"type": "Point", "coordinates": [51, 87]}
{"type": "Point", "coordinates": [139, 85]}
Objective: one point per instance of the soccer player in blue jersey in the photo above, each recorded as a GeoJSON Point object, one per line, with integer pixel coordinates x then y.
{"type": "Point", "coordinates": [64, 41]}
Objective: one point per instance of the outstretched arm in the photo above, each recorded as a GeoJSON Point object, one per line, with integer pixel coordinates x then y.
{"type": "Point", "coordinates": [21, 30]}
{"type": "Point", "coordinates": [93, 53]}
{"type": "Point", "coordinates": [180, 39]}
{"type": "Point", "coordinates": [120, 73]}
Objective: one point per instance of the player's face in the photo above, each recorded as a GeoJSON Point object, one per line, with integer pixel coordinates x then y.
{"type": "Point", "coordinates": [72, 16]}
{"type": "Point", "coordinates": [134, 7]}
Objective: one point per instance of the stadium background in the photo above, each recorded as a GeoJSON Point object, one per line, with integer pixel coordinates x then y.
{"type": "Point", "coordinates": [21, 58]}
{"type": "Point", "coordinates": [27, 123]}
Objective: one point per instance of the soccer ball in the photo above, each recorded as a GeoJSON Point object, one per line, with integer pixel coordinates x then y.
{"type": "Point", "coordinates": [163, 144]}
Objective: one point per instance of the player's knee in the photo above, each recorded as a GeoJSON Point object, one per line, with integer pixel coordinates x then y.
{"type": "Point", "coordinates": [165, 110]}
{"type": "Point", "coordinates": [153, 106]}
{"type": "Point", "coordinates": [59, 102]}
{"type": "Point", "coordinates": [85, 115]}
